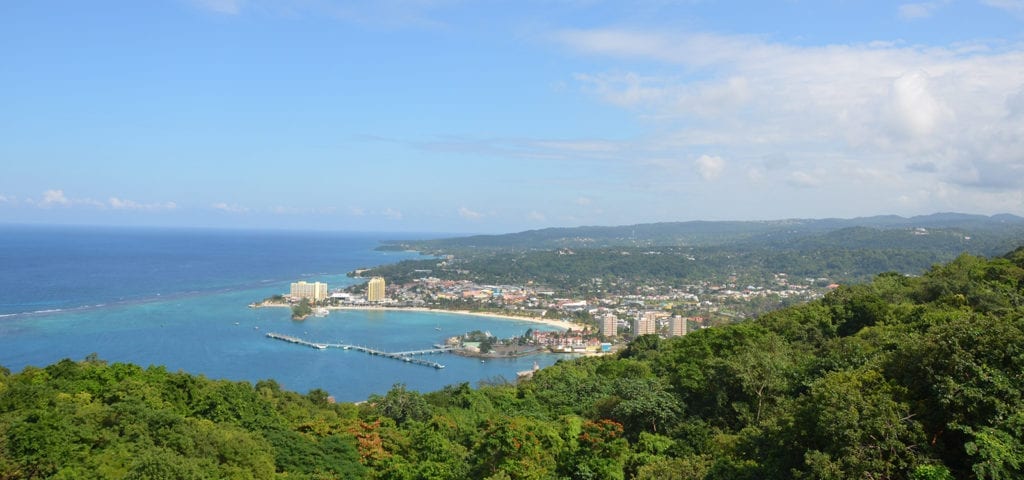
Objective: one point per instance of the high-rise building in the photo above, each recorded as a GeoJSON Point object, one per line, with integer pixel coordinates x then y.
{"type": "Point", "coordinates": [677, 326]}
{"type": "Point", "coordinates": [375, 290]}
{"type": "Point", "coordinates": [645, 324]}
{"type": "Point", "coordinates": [609, 325]}
{"type": "Point", "coordinates": [315, 291]}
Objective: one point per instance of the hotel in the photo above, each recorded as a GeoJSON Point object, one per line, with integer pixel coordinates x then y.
{"type": "Point", "coordinates": [677, 326]}
{"type": "Point", "coordinates": [375, 290]}
{"type": "Point", "coordinates": [645, 324]}
{"type": "Point", "coordinates": [316, 291]}
{"type": "Point", "coordinates": [609, 325]}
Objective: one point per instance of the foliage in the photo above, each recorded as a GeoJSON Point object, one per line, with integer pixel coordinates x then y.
{"type": "Point", "coordinates": [903, 377]}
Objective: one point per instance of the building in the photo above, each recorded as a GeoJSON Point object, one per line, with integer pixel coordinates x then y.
{"type": "Point", "coordinates": [677, 326]}
{"type": "Point", "coordinates": [316, 291]}
{"type": "Point", "coordinates": [645, 324]}
{"type": "Point", "coordinates": [375, 290]}
{"type": "Point", "coordinates": [609, 325]}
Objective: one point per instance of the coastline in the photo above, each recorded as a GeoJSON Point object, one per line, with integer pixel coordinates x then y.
{"type": "Point", "coordinates": [562, 324]}
{"type": "Point", "coordinates": [544, 321]}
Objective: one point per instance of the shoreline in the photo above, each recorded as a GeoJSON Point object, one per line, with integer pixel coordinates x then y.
{"type": "Point", "coordinates": [544, 321]}
{"type": "Point", "coordinates": [562, 324]}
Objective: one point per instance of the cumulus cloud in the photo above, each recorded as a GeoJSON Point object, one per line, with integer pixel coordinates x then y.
{"type": "Point", "coordinates": [123, 204]}
{"type": "Point", "coordinates": [908, 114]}
{"type": "Point", "coordinates": [913, 108]}
{"type": "Point", "coordinates": [229, 208]}
{"type": "Point", "coordinates": [54, 197]}
{"type": "Point", "coordinates": [583, 201]}
{"type": "Point", "coordinates": [227, 7]}
{"type": "Point", "coordinates": [916, 11]}
{"type": "Point", "coordinates": [536, 216]}
{"type": "Point", "coordinates": [709, 167]}
{"type": "Point", "coordinates": [803, 180]}
{"type": "Point", "coordinates": [1012, 6]}
{"type": "Point", "coordinates": [392, 214]}
{"type": "Point", "coordinates": [470, 214]}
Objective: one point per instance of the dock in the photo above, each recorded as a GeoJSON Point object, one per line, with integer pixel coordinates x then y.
{"type": "Point", "coordinates": [407, 356]}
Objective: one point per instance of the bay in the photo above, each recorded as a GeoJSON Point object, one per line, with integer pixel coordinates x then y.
{"type": "Point", "coordinates": [178, 298]}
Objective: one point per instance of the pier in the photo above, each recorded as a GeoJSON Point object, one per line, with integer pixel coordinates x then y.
{"type": "Point", "coordinates": [406, 356]}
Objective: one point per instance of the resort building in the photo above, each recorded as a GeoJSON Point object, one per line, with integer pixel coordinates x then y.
{"type": "Point", "coordinates": [645, 324]}
{"type": "Point", "coordinates": [375, 290]}
{"type": "Point", "coordinates": [315, 291]}
{"type": "Point", "coordinates": [677, 326]}
{"type": "Point", "coordinates": [609, 325]}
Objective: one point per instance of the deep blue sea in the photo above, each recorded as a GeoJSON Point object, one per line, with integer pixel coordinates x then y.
{"type": "Point", "coordinates": [179, 298]}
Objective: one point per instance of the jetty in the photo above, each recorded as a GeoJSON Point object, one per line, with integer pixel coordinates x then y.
{"type": "Point", "coordinates": [407, 356]}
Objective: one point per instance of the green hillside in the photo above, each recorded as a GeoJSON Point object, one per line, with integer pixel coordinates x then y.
{"type": "Point", "coordinates": [904, 378]}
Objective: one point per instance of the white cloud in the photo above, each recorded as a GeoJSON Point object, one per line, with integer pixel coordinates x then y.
{"type": "Point", "coordinates": [956, 112]}
{"type": "Point", "coordinates": [919, 10]}
{"type": "Point", "coordinates": [470, 214]}
{"type": "Point", "coordinates": [6, 199]}
{"type": "Point", "coordinates": [123, 204]}
{"type": "Point", "coordinates": [392, 214]}
{"type": "Point", "coordinates": [913, 108]}
{"type": "Point", "coordinates": [1012, 6]}
{"type": "Point", "coordinates": [709, 167]}
{"type": "Point", "coordinates": [228, 7]}
{"type": "Point", "coordinates": [803, 180]}
{"type": "Point", "coordinates": [230, 208]}
{"type": "Point", "coordinates": [536, 216]}
{"type": "Point", "coordinates": [54, 197]}
{"type": "Point", "coordinates": [583, 201]}
{"type": "Point", "coordinates": [357, 211]}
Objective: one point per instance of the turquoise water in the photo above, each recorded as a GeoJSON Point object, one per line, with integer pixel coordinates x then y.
{"type": "Point", "coordinates": [212, 332]}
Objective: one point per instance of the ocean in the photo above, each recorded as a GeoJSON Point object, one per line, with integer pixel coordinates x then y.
{"type": "Point", "coordinates": [179, 298]}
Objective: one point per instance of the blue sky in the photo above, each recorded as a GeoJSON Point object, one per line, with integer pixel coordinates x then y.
{"type": "Point", "coordinates": [496, 116]}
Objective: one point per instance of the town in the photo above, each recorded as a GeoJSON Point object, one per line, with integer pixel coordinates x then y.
{"type": "Point", "coordinates": [613, 313]}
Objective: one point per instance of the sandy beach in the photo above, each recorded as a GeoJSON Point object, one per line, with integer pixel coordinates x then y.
{"type": "Point", "coordinates": [545, 321]}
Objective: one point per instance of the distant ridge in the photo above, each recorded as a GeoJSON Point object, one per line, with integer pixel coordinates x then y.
{"type": "Point", "coordinates": [702, 232]}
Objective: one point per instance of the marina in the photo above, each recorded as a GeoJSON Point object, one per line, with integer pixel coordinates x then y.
{"type": "Point", "coordinates": [405, 356]}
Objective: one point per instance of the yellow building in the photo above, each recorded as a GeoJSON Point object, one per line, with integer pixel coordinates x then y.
{"type": "Point", "coordinates": [375, 290]}
{"type": "Point", "coordinates": [316, 291]}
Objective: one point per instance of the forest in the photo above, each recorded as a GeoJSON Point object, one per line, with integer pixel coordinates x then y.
{"type": "Point", "coordinates": [904, 377]}
{"type": "Point", "coordinates": [854, 254]}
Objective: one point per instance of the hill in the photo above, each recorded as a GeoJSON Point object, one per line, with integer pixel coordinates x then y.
{"type": "Point", "coordinates": [704, 233]}
{"type": "Point", "coordinates": [904, 377]}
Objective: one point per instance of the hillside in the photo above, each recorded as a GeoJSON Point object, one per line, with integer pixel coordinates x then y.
{"type": "Point", "coordinates": [903, 377]}
{"type": "Point", "coordinates": [704, 233]}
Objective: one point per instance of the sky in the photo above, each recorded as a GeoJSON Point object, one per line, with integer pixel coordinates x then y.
{"type": "Point", "coordinates": [499, 116]}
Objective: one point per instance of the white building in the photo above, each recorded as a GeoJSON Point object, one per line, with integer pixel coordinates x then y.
{"type": "Point", "coordinates": [609, 325]}
{"type": "Point", "coordinates": [645, 324]}
{"type": "Point", "coordinates": [677, 326]}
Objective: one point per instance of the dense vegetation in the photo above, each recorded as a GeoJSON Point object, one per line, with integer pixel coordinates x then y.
{"type": "Point", "coordinates": [849, 255]}
{"type": "Point", "coordinates": [905, 377]}
{"type": "Point", "coordinates": [705, 233]}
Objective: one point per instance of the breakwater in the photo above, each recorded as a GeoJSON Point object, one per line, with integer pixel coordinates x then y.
{"type": "Point", "coordinates": [406, 356]}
